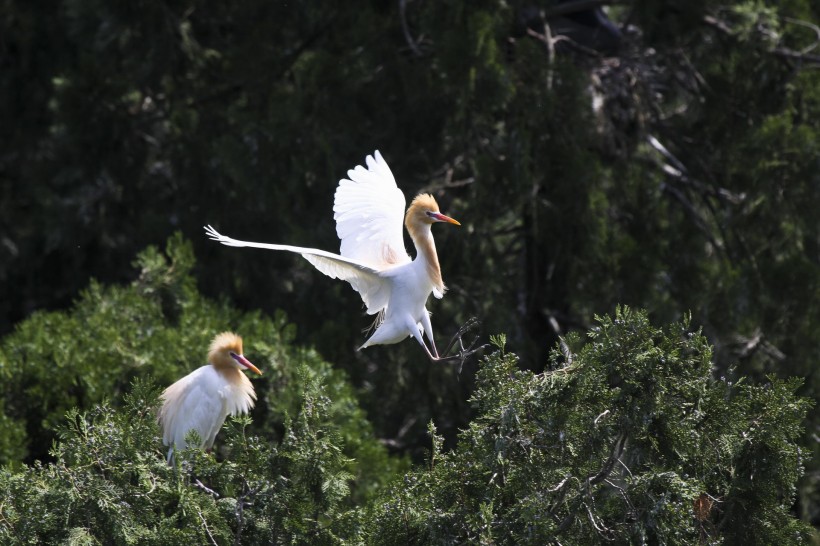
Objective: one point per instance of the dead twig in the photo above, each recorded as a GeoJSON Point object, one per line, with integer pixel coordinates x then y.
{"type": "Point", "coordinates": [406, 29]}
{"type": "Point", "coordinates": [206, 489]}
{"type": "Point", "coordinates": [207, 530]}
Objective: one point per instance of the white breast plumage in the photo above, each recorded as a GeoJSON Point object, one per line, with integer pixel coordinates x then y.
{"type": "Point", "coordinates": [201, 401]}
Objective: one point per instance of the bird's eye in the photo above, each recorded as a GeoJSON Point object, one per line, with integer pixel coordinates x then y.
{"type": "Point", "coordinates": [430, 213]}
{"type": "Point", "coordinates": [233, 354]}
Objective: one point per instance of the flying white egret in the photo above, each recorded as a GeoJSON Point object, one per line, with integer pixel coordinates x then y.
{"type": "Point", "coordinates": [368, 209]}
{"type": "Point", "coordinates": [202, 399]}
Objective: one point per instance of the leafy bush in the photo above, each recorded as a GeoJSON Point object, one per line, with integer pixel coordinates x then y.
{"type": "Point", "coordinates": [625, 439]}
{"type": "Point", "coordinates": [110, 484]}
{"type": "Point", "coordinates": [307, 427]}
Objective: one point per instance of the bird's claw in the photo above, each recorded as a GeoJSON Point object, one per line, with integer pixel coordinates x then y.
{"type": "Point", "coordinates": [464, 352]}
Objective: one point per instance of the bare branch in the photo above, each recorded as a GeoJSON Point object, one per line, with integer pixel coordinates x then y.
{"type": "Point", "coordinates": [207, 489]}
{"type": "Point", "coordinates": [693, 212]}
{"type": "Point", "coordinates": [597, 525]}
{"type": "Point", "coordinates": [565, 350]}
{"type": "Point", "coordinates": [812, 61]}
{"type": "Point", "coordinates": [617, 450]}
{"type": "Point", "coordinates": [560, 485]}
{"type": "Point", "coordinates": [240, 510]}
{"type": "Point", "coordinates": [207, 530]}
{"type": "Point", "coordinates": [576, 46]}
{"type": "Point", "coordinates": [549, 43]}
{"type": "Point", "coordinates": [585, 490]}
{"type": "Point", "coordinates": [806, 24]}
{"type": "Point", "coordinates": [718, 24]}
{"type": "Point", "coordinates": [655, 143]}
{"type": "Point", "coordinates": [406, 29]}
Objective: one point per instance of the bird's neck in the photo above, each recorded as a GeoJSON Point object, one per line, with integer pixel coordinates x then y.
{"type": "Point", "coordinates": [422, 237]}
{"type": "Point", "coordinates": [240, 396]}
{"type": "Point", "coordinates": [231, 373]}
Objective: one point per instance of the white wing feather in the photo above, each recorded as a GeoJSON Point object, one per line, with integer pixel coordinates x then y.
{"type": "Point", "coordinates": [365, 279]}
{"type": "Point", "coordinates": [369, 213]}
{"type": "Point", "coordinates": [192, 403]}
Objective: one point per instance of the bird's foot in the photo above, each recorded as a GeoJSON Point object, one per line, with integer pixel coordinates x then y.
{"type": "Point", "coordinates": [463, 352]}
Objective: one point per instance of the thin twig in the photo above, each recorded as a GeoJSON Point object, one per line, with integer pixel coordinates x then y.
{"type": "Point", "coordinates": [240, 509]}
{"type": "Point", "coordinates": [560, 485]}
{"type": "Point", "coordinates": [406, 29]}
{"type": "Point", "coordinates": [576, 46]}
{"type": "Point", "coordinates": [205, 488]}
{"type": "Point", "coordinates": [594, 479]}
{"type": "Point", "coordinates": [806, 24]}
{"type": "Point", "coordinates": [205, 523]}
{"type": "Point", "coordinates": [813, 60]}
{"type": "Point", "coordinates": [786, 53]}
{"type": "Point", "coordinates": [549, 44]}
{"type": "Point", "coordinates": [602, 530]}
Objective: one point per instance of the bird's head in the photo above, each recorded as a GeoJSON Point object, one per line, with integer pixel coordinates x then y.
{"type": "Point", "coordinates": [226, 352]}
{"type": "Point", "coordinates": [424, 210]}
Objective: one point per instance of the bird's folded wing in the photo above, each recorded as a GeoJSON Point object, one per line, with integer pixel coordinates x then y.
{"type": "Point", "coordinates": [369, 213]}
{"type": "Point", "coordinates": [367, 281]}
{"type": "Point", "coordinates": [190, 405]}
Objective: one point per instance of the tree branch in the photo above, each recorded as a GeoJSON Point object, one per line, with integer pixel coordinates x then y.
{"type": "Point", "coordinates": [585, 489]}
{"type": "Point", "coordinates": [205, 523]}
{"type": "Point", "coordinates": [206, 489]}
{"type": "Point", "coordinates": [406, 29]}
{"type": "Point", "coordinates": [812, 61]}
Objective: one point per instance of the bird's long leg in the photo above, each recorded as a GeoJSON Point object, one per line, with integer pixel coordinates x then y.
{"type": "Point", "coordinates": [434, 356]}
{"type": "Point", "coordinates": [414, 331]}
{"type": "Point", "coordinates": [428, 330]}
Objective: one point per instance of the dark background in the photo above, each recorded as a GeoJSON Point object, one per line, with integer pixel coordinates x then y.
{"type": "Point", "coordinates": [662, 155]}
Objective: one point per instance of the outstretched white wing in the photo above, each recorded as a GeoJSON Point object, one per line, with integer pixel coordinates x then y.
{"type": "Point", "coordinates": [369, 214]}
{"type": "Point", "coordinates": [366, 280]}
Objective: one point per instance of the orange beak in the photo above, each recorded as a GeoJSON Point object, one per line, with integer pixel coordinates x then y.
{"type": "Point", "coordinates": [245, 362]}
{"type": "Point", "coordinates": [441, 218]}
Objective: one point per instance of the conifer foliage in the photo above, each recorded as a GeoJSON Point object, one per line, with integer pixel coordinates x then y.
{"type": "Point", "coordinates": [661, 154]}
{"type": "Point", "coordinates": [86, 381]}
{"type": "Point", "coordinates": [625, 437]}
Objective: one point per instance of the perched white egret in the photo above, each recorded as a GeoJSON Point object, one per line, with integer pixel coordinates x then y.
{"type": "Point", "coordinates": [202, 399]}
{"type": "Point", "coordinates": [368, 209]}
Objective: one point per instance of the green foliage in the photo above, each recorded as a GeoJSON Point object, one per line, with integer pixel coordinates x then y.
{"type": "Point", "coordinates": [160, 327]}
{"type": "Point", "coordinates": [625, 438]}
{"type": "Point", "coordinates": [124, 123]}
{"type": "Point", "coordinates": [109, 483]}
